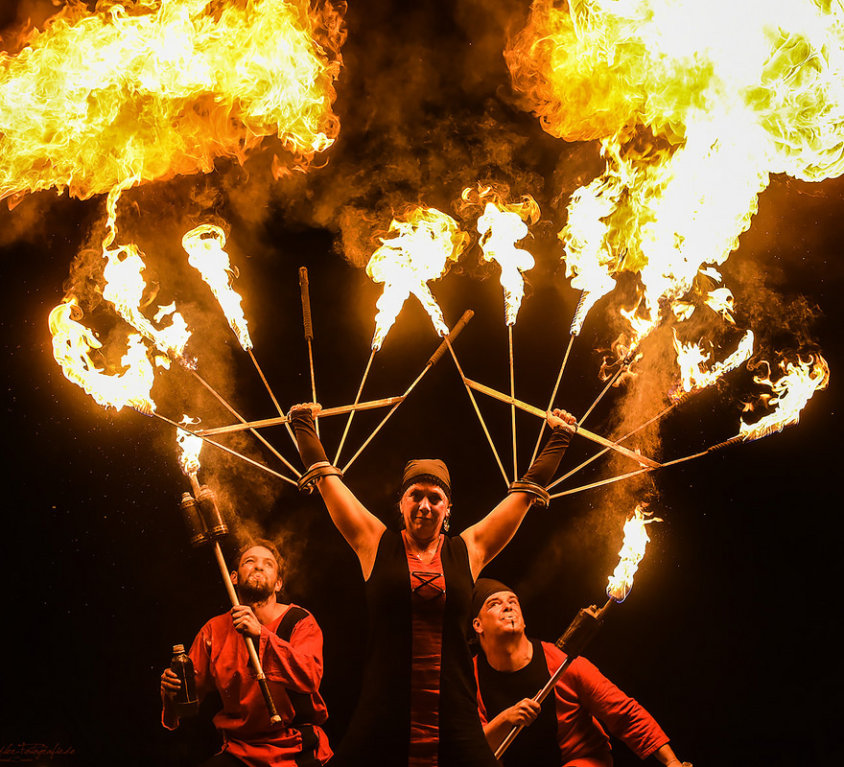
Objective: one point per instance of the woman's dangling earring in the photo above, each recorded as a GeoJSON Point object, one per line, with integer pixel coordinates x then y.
{"type": "Point", "coordinates": [446, 523]}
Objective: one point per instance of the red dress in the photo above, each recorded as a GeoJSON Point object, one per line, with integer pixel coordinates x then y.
{"type": "Point", "coordinates": [293, 668]}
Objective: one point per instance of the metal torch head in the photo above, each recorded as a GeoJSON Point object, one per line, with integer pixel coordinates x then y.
{"type": "Point", "coordinates": [210, 512]}
{"type": "Point", "coordinates": [193, 521]}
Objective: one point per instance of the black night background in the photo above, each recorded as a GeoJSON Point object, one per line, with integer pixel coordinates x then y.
{"type": "Point", "coordinates": [728, 634]}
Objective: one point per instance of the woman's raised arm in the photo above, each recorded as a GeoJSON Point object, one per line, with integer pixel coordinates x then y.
{"type": "Point", "coordinates": [361, 529]}
{"type": "Point", "coordinates": [485, 539]}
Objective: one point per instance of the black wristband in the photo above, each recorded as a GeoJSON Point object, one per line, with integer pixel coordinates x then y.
{"type": "Point", "coordinates": [311, 450]}
{"type": "Point", "coordinates": [542, 470]}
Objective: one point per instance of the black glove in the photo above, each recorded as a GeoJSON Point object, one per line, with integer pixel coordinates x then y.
{"type": "Point", "coordinates": [542, 470]}
{"type": "Point", "coordinates": [310, 448]}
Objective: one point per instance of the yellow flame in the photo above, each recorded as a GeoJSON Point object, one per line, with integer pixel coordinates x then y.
{"type": "Point", "coordinates": [72, 347]}
{"type": "Point", "coordinates": [721, 300]}
{"type": "Point", "coordinates": [691, 360]}
{"type": "Point", "coordinates": [632, 550]}
{"type": "Point", "coordinates": [189, 447]}
{"type": "Point", "coordinates": [501, 226]}
{"type": "Point", "coordinates": [204, 245]}
{"type": "Point", "coordinates": [155, 88]}
{"type": "Point", "coordinates": [695, 104]}
{"type": "Point", "coordinates": [790, 394]}
{"type": "Point", "coordinates": [124, 289]}
{"type": "Point", "coordinates": [424, 242]}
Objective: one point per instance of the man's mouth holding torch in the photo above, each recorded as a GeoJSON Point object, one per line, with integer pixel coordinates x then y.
{"type": "Point", "coordinates": [506, 611]}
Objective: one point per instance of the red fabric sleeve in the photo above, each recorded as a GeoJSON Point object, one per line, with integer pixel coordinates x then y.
{"type": "Point", "coordinates": [622, 715]}
{"type": "Point", "coordinates": [298, 663]}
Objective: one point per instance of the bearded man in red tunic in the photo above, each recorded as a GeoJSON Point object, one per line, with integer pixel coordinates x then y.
{"type": "Point", "coordinates": [289, 644]}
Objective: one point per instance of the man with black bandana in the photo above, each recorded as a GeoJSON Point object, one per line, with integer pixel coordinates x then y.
{"type": "Point", "coordinates": [564, 729]}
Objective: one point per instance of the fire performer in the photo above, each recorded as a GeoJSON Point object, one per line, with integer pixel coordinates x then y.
{"type": "Point", "coordinates": [418, 705]}
{"type": "Point", "coordinates": [290, 647]}
{"type": "Point", "coordinates": [564, 729]}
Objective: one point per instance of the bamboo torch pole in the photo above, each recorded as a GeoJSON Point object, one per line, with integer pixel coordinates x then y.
{"type": "Point", "coordinates": [352, 412]}
{"type": "Point", "coordinates": [270, 392]}
{"type": "Point", "coordinates": [574, 331]}
{"type": "Point", "coordinates": [433, 360]}
{"type": "Point", "coordinates": [513, 403]}
{"type": "Point", "coordinates": [235, 601]}
{"type": "Point", "coordinates": [477, 411]}
{"type": "Point", "coordinates": [304, 289]}
{"type": "Point", "coordinates": [240, 418]}
{"type": "Point", "coordinates": [204, 438]}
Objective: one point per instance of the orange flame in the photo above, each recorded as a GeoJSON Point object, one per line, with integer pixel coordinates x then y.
{"type": "Point", "coordinates": [632, 550]}
{"type": "Point", "coordinates": [691, 359]}
{"type": "Point", "coordinates": [124, 288]}
{"type": "Point", "coordinates": [501, 226]}
{"type": "Point", "coordinates": [189, 447]}
{"type": "Point", "coordinates": [204, 245]}
{"type": "Point", "coordinates": [693, 113]}
{"type": "Point", "coordinates": [790, 394]}
{"type": "Point", "coordinates": [156, 88]}
{"type": "Point", "coordinates": [424, 242]}
{"type": "Point", "coordinates": [72, 347]}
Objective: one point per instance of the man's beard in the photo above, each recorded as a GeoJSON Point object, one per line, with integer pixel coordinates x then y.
{"type": "Point", "coordinates": [259, 590]}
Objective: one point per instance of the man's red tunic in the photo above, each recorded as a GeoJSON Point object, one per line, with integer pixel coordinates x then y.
{"type": "Point", "coordinates": [293, 669]}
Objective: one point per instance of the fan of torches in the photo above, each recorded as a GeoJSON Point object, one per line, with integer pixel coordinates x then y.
{"type": "Point", "coordinates": [662, 212]}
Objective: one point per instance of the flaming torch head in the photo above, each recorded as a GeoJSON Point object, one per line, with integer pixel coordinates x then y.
{"type": "Point", "coordinates": [425, 242]}
{"type": "Point", "coordinates": [791, 392]}
{"type": "Point", "coordinates": [501, 226]}
{"type": "Point", "coordinates": [632, 551]}
{"type": "Point", "coordinates": [72, 347]}
{"type": "Point", "coordinates": [189, 448]}
{"type": "Point", "coordinates": [204, 245]}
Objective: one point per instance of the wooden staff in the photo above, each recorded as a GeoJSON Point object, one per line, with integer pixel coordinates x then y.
{"type": "Point", "coordinates": [645, 461]}
{"type": "Point", "coordinates": [433, 360]}
{"type": "Point", "coordinates": [579, 633]}
{"type": "Point", "coordinates": [329, 411]}
{"type": "Point", "coordinates": [309, 330]}
{"type": "Point", "coordinates": [233, 598]}
{"type": "Point", "coordinates": [513, 404]}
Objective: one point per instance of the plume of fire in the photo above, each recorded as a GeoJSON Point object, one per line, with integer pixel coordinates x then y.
{"type": "Point", "coordinates": [790, 393]}
{"type": "Point", "coordinates": [424, 243]}
{"type": "Point", "coordinates": [694, 113]}
{"type": "Point", "coordinates": [501, 226]}
{"type": "Point", "coordinates": [189, 447]}
{"type": "Point", "coordinates": [691, 359]}
{"type": "Point", "coordinates": [632, 550]}
{"type": "Point", "coordinates": [155, 88]}
{"type": "Point", "coordinates": [73, 344]}
{"type": "Point", "coordinates": [204, 245]}
{"type": "Point", "coordinates": [124, 289]}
